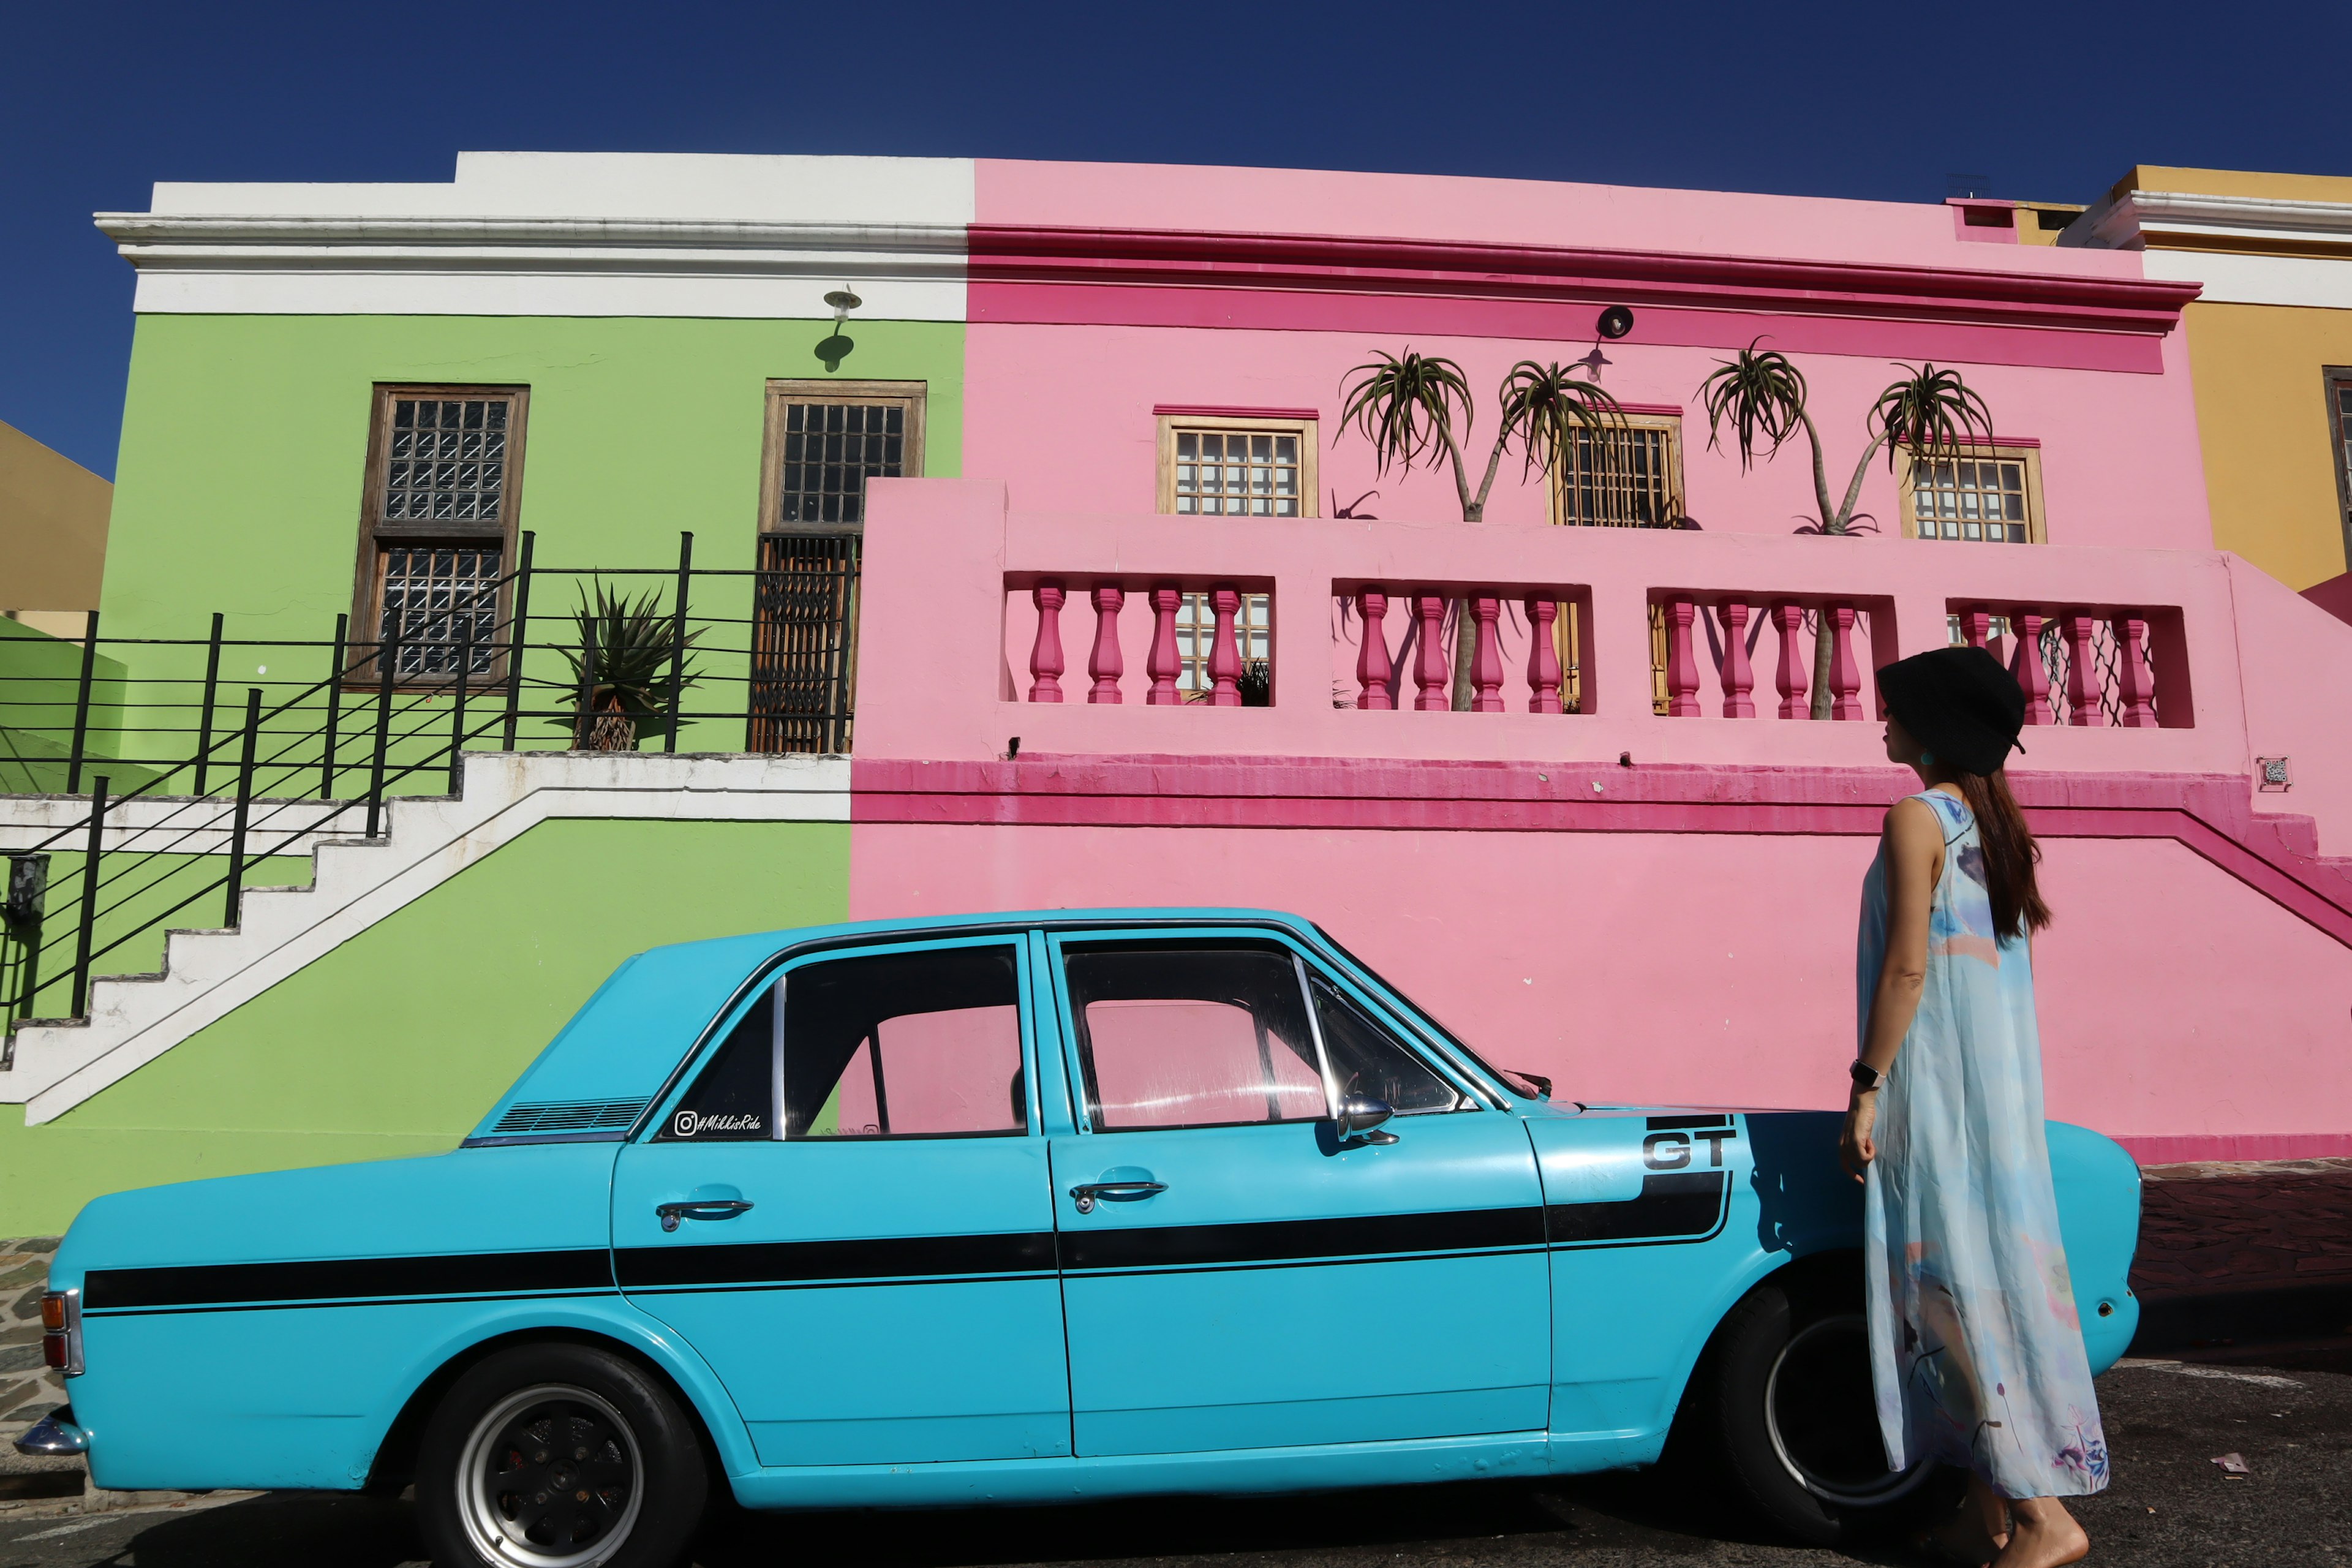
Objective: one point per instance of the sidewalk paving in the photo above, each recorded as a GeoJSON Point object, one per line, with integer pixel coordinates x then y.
{"type": "Point", "coordinates": [2236, 1255]}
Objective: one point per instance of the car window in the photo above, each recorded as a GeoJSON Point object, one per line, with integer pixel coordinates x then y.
{"type": "Point", "coordinates": [904, 1045]}
{"type": "Point", "coordinates": [1367, 1062]}
{"type": "Point", "coordinates": [735, 1097]}
{"type": "Point", "coordinates": [1192, 1036]}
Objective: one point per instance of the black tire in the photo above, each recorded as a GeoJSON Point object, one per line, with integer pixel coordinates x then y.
{"type": "Point", "coordinates": [628, 1494]}
{"type": "Point", "coordinates": [1782, 1408]}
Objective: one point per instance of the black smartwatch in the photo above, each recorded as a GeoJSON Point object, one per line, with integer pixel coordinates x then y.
{"type": "Point", "coordinates": [1864, 1076]}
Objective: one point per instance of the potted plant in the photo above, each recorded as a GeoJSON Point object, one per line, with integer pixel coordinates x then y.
{"type": "Point", "coordinates": [622, 671]}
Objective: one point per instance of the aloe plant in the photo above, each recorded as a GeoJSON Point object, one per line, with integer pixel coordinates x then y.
{"type": "Point", "coordinates": [1418, 408]}
{"type": "Point", "coordinates": [1763, 398]}
{"type": "Point", "coordinates": [621, 670]}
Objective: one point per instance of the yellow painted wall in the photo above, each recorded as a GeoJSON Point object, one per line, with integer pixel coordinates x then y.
{"type": "Point", "coordinates": [53, 515]}
{"type": "Point", "coordinates": [2262, 417]}
{"type": "Point", "coordinates": [2238, 183]}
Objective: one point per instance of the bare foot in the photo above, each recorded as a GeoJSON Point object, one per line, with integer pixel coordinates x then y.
{"type": "Point", "coordinates": [1961, 1539]}
{"type": "Point", "coordinates": [2050, 1540]}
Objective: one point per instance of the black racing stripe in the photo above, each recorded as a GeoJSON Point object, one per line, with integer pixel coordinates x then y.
{"type": "Point", "coordinates": [453, 1273]}
{"type": "Point", "coordinates": [1669, 1123]}
{"type": "Point", "coordinates": [1285, 1240]}
{"type": "Point", "coordinates": [1683, 1204]}
{"type": "Point", "coordinates": [789, 1262]}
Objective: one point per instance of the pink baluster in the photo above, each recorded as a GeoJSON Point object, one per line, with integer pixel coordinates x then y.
{"type": "Point", "coordinates": [1792, 676]}
{"type": "Point", "coordinates": [1106, 664]}
{"type": "Point", "coordinates": [2033, 678]}
{"type": "Point", "coordinates": [1430, 670]}
{"type": "Point", "coordinates": [1162, 663]}
{"type": "Point", "coordinates": [1738, 678]}
{"type": "Point", "coordinates": [1975, 627]}
{"type": "Point", "coordinates": [2134, 682]}
{"type": "Point", "coordinates": [1543, 658]}
{"type": "Point", "coordinates": [1682, 669]}
{"type": "Point", "coordinates": [2081, 672]}
{"type": "Point", "coordinates": [1046, 654]}
{"type": "Point", "coordinates": [1372, 667]}
{"type": "Point", "coordinates": [1225, 651]}
{"type": "Point", "coordinates": [1845, 680]}
{"type": "Point", "coordinates": [1486, 656]}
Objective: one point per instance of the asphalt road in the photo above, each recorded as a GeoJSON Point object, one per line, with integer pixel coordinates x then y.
{"type": "Point", "coordinates": [2169, 1507]}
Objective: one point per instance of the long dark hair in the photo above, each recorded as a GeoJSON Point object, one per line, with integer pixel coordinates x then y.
{"type": "Point", "coordinates": [2009, 854]}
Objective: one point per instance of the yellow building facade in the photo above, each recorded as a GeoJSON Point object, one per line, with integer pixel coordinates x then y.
{"type": "Point", "coordinates": [2270, 346]}
{"type": "Point", "coordinates": [53, 518]}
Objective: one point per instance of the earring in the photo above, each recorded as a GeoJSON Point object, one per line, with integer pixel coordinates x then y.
{"type": "Point", "coordinates": [1927, 759]}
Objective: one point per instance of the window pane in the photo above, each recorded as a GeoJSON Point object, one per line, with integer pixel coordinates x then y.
{"type": "Point", "coordinates": [1193, 1036]}
{"type": "Point", "coordinates": [441, 606]}
{"type": "Point", "coordinates": [456, 489]}
{"type": "Point", "coordinates": [854, 449]}
{"type": "Point", "coordinates": [1367, 1063]}
{"type": "Point", "coordinates": [735, 1097]}
{"type": "Point", "coordinates": [904, 1045]}
{"type": "Point", "coordinates": [1237, 473]}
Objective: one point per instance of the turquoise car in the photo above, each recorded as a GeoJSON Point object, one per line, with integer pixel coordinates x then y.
{"type": "Point", "coordinates": [1006, 1208]}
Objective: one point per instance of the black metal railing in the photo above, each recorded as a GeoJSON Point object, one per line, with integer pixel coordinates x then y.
{"type": "Point", "coordinates": [200, 778]}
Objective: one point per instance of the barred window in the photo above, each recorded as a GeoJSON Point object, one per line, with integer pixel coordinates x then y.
{"type": "Point", "coordinates": [444, 472]}
{"type": "Point", "coordinates": [830, 450]}
{"type": "Point", "coordinates": [1983, 499]}
{"type": "Point", "coordinates": [2339, 415]}
{"type": "Point", "coordinates": [1237, 465]}
{"type": "Point", "coordinates": [1624, 475]}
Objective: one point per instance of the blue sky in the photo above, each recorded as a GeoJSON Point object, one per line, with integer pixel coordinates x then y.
{"type": "Point", "coordinates": [2050, 100]}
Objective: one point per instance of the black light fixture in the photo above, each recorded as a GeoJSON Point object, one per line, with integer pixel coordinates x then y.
{"type": "Point", "coordinates": [1616, 321]}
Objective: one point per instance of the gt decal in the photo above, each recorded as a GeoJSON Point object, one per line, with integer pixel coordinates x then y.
{"type": "Point", "coordinates": [1672, 1150]}
{"type": "Point", "coordinates": [1678, 1203]}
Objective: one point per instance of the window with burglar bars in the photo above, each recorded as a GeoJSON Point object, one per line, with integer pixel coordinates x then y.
{"type": "Point", "coordinates": [2339, 430]}
{"type": "Point", "coordinates": [1237, 465]}
{"type": "Point", "coordinates": [824, 440]}
{"type": "Point", "coordinates": [1992, 496]}
{"type": "Point", "coordinates": [1626, 475]}
{"type": "Point", "coordinates": [445, 471]}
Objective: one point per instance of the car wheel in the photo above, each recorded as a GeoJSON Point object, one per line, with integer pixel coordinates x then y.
{"type": "Point", "coordinates": [1786, 1396]}
{"type": "Point", "coordinates": [559, 1455]}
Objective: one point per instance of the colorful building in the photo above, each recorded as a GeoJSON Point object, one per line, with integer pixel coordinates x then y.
{"type": "Point", "coordinates": [1072, 607]}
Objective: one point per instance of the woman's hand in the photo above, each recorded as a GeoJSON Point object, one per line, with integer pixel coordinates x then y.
{"type": "Point", "coordinates": [1857, 1145]}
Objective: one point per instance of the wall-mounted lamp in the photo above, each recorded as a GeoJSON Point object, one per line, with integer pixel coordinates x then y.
{"type": "Point", "coordinates": [1615, 322]}
{"type": "Point", "coordinates": [834, 349]}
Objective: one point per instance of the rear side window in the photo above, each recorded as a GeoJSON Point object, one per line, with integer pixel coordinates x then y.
{"type": "Point", "coordinates": [735, 1097]}
{"type": "Point", "coordinates": [904, 1045]}
{"type": "Point", "coordinates": [1207, 1035]}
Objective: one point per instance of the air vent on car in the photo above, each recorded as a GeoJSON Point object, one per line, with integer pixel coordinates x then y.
{"type": "Point", "coordinates": [568, 1116]}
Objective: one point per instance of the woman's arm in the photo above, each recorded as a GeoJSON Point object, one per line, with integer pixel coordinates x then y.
{"type": "Point", "coordinates": [1914, 859]}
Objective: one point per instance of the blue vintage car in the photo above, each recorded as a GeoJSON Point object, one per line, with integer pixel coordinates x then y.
{"type": "Point", "coordinates": [1006, 1208]}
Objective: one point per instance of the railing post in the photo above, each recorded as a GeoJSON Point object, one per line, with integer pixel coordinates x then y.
{"type": "Point", "coordinates": [457, 710]}
{"type": "Point", "coordinates": [677, 639]}
{"type": "Point", "coordinates": [1487, 655]}
{"type": "Point", "coordinates": [1791, 675]}
{"type": "Point", "coordinates": [81, 702]}
{"type": "Point", "coordinates": [2081, 672]}
{"type": "Point", "coordinates": [1224, 650]}
{"type": "Point", "coordinates": [1374, 670]}
{"type": "Point", "coordinates": [1046, 651]}
{"type": "Point", "coordinates": [1846, 679]}
{"type": "Point", "coordinates": [2033, 676]}
{"type": "Point", "coordinates": [583, 726]}
{"type": "Point", "coordinates": [1738, 680]}
{"type": "Point", "coordinates": [204, 722]}
{"type": "Point", "coordinates": [2135, 683]}
{"type": "Point", "coordinates": [387, 654]}
{"type": "Point", "coordinates": [1106, 664]}
{"type": "Point", "coordinates": [243, 802]}
{"type": "Point", "coordinates": [334, 711]}
{"type": "Point", "coordinates": [1430, 670]}
{"type": "Point", "coordinates": [91, 853]}
{"type": "Point", "coordinates": [1975, 627]}
{"type": "Point", "coordinates": [1163, 664]}
{"type": "Point", "coordinates": [1543, 656]}
{"type": "Point", "coordinates": [1681, 666]}
{"type": "Point", "coordinates": [516, 635]}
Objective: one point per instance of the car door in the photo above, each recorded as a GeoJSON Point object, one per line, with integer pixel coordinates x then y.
{"type": "Point", "coordinates": [1235, 1273]}
{"type": "Point", "coordinates": [847, 1211]}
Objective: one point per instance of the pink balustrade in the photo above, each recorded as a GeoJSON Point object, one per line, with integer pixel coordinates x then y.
{"type": "Point", "coordinates": [2085, 667]}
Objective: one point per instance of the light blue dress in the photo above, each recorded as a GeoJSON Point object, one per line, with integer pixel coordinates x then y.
{"type": "Point", "coordinates": [1976, 1346]}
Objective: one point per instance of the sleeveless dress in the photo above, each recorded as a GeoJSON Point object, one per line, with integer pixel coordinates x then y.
{"type": "Point", "coordinates": [1976, 1347]}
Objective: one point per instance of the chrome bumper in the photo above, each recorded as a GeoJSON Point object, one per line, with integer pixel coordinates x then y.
{"type": "Point", "coordinates": [54, 1436]}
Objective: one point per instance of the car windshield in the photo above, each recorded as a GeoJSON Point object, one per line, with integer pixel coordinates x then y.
{"type": "Point", "coordinates": [1517, 1083]}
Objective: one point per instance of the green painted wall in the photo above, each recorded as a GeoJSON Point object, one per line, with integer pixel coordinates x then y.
{"type": "Point", "coordinates": [398, 1041]}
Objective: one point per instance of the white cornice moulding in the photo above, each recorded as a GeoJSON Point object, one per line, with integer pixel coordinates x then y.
{"type": "Point", "coordinates": [2121, 222]}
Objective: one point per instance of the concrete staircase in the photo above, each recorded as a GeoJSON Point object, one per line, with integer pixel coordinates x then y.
{"type": "Point", "coordinates": [134, 1018]}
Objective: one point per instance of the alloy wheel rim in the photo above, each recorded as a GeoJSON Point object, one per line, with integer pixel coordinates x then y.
{"type": "Point", "coordinates": [549, 1477]}
{"type": "Point", "coordinates": [1823, 1421]}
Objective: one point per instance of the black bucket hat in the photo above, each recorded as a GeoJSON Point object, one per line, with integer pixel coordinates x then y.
{"type": "Point", "coordinates": [1958, 702]}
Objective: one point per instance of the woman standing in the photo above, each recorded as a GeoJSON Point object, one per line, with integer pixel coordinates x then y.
{"type": "Point", "coordinates": [1976, 1349]}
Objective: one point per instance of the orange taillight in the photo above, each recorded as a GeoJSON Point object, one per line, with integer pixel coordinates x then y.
{"type": "Point", "coordinates": [53, 1311]}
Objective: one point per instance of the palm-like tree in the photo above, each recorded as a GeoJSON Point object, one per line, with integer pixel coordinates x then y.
{"type": "Point", "coordinates": [1762, 397]}
{"type": "Point", "coordinates": [1418, 408]}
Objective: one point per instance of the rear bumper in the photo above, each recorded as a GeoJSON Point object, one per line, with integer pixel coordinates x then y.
{"type": "Point", "coordinates": [54, 1436]}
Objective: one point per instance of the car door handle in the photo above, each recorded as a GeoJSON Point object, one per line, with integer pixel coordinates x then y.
{"type": "Point", "coordinates": [700, 1208]}
{"type": "Point", "coordinates": [1086, 1192]}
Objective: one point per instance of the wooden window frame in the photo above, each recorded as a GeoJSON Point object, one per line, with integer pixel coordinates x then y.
{"type": "Point", "coordinates": [367, 590]}
{"type": "Point", "coordinates": [1208, 420]}
{"type": "Point", "coordinates": [912, 395]}
{"type": "Point", "coordinates": [2028, 453]}
{"type": "Point", "coordinates": [1555, 489]}
{"type": "Point", "coordinates": [2337, 381]}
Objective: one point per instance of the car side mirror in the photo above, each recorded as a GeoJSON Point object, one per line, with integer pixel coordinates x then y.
{"type": "Point", "coordinates": [1358, 1118]}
